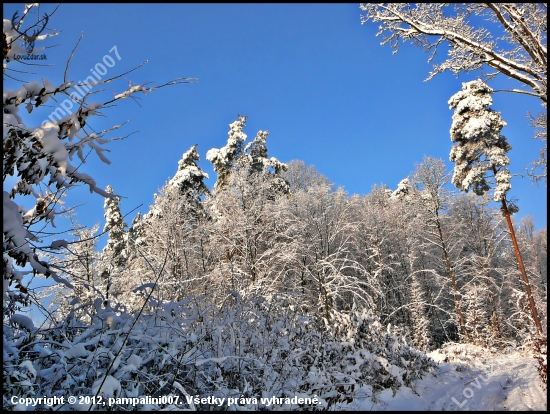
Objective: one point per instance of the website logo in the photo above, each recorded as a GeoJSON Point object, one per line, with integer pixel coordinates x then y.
{"type": "Point", "coordinates": [29, 39]}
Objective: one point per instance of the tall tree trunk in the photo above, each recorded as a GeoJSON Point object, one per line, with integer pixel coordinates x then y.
{"type": "Point", "coordinates": [521, 266]}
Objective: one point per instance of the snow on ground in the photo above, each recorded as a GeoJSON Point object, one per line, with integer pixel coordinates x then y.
{"type": "Point", "coordinates": [469, 378]}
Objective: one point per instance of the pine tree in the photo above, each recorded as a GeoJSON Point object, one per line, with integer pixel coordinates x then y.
{"type": "Point", "coordinates": [114, 253]}
{"type": "Point", "coordinates": [403, 190]}
{"type": "Point", "coordinates": [253, 158]}
{"type": "Point", "coordinates": [481, 150]}
{"type": "Point", "coordinates": [223, 159]}
{"type": "Point", "coordinates": [189, 180]}
{"type": "Point", "coordinates": [256, 161]}
{"type": "Point", "coordinates": [115, 225]}
{"type": "Point", "coordinates": [134, 236]}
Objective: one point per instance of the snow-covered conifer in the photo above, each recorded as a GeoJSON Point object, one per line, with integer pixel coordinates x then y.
{"type": "Point", "coordinates": [115, 225]}
{"type": "Point", "coordinates": [256, 156]}
{"type": "Point", "coordinates": [480, 148]}
{"type": "Point", "coordinates": [134, 235]}
{"type": "Point", "coordinates": [189, 183]}
{"type": "Point", "coordinates": [189, 177]}
{"type": "Point", "coordinates": [403, 190]}
{"type": "Point", "coordinates": [223, 159]}
{"type": "Point", "coordinates": [253, 158]}
{"type": "Point", "coordinates": [114, 253]}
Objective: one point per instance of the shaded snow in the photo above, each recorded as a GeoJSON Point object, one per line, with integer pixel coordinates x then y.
{"type": "Point", "coordinates": [23, 321]}
{"type": "Point", "coordinates": [470, 378]}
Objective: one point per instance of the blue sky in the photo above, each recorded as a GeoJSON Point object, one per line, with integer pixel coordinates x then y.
{"type": "Point", "coordinates": [310, 74]}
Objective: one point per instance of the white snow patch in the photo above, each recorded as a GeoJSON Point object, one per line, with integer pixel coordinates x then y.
{"type": "Point", "coordinates": [469, 378]}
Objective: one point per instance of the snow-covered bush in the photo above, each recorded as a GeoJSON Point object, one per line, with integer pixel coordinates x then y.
{"type": "Point", "coordinates": [117, 355]}
{"type": "Point", "coordinates": [539, 346]}
{"type": "Point", "coordinates": [19, 374]}
{"type": "Point", "coordinates": [381, 356]}
{"type": "Point", "coordinates": [254, 348]}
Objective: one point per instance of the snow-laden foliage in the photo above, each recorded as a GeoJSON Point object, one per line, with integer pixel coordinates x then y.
{"type": "Point", "coordinates": [189, 182]}
{"type": "Point", "coordinates": [253, 158]}
{"type": "Point", "coordinates": [507, 38]}
{"type": "Point", "coordinates": [480, 148]}
{"type": "Point", "coordinates": [189, 176]}
{"type": "Point", "coordinates": [186, 189]}
{"type": "Point", "coordinates": [539, 167]}
{"type": "Point", "coordinates": [393, 362]}
{"type": "Point", "coordinates": [85, 267]}
{"type": "Point", "coordinates": [403, 190]}
{"type": "Point", "coordinates": [224, 158]}
{"type": "Point", "coordinates": [115, 226]}
{"type": "Point", "coordinates": [252, 349]}
{"type": "Point", "coordinates": [276, 285]}
{"type": "Point", "coordinates": [520, 53]}
{"type": "Point", "coordinates": [540, 348]}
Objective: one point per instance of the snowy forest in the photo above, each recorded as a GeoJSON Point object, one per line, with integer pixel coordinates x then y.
{"type": "Point", "coordinates": [276, 289]}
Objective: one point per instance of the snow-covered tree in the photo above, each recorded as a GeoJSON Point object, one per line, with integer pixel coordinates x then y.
{"type": "Point", "coordinates": [253, 158]}
{"type": "Point", "coordinates": [116, 228]}
{"type": "Point", "coordinates": [81, 264]}
{"type": "Point", "coordinates": [519, 54]}
{"type": "Point", "coordinates": [429, 181]}
{"type": "Point", "coordinates": [534, 244]}
{"type": "Point", "coordinates": [539, 167]}
{"type": "Point", "coordinates": [421, 324]}
{"type": "Point", "coordinates": [516, 46]}
{"type": "Point", "coordinates": [329, 277]}
{"type": "Point", "coordinates": [223, 159]}
{"type": "Point", "coordinates": [300, 176]}
{"type": "Point", "coordinates": [480, 151]}
{"type": "Point", "coordinates": [251, 237]}
{"type": "Point", "coordinates": [166, 236]}
{"type": "Point", "coordinates": [403, 190]}
{"type": "Point", "coordinates": [114, 253]}
{"type": "Point", "coordinates": [134, 236]}
{"type": "Point", "coordinates": [189, 180]}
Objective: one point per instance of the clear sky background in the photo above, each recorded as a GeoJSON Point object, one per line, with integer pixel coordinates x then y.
{"type": "Point", "coordinates": [310, 74]}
